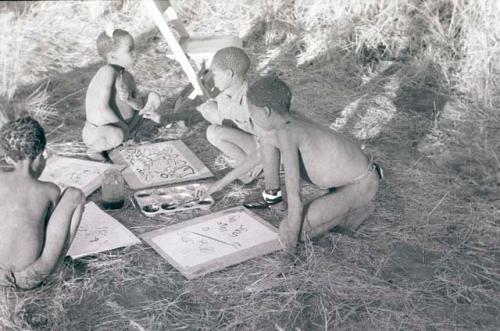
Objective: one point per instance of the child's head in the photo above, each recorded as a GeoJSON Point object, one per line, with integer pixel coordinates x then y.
{"type": "Point", "coordinates": [117, 48]}
{"type": "Point", "coordinates": [24, 139]}
{"type": "Point", "coordinates": [229, 64]}
{"type": "Point", "coordinates": [269, 101]}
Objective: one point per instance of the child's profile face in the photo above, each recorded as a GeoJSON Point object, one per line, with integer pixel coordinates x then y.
{"type": "Point", "coordinates": [124, 55]}
{"type": "Point", "coordinates": [222, 77]}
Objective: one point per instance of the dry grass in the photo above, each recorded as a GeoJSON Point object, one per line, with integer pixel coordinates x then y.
{"type": "Point", "coordinates": [458, 36]}
{"type": "Point", "coordinates": [428, 258]}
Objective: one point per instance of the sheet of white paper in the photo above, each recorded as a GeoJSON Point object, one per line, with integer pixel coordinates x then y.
{"type": "Point", "coordinates": [99, 232]}
{"type": "Point", "coordinates": [83, 174]}
{"type": "Point", "coordinates": [215, 238]}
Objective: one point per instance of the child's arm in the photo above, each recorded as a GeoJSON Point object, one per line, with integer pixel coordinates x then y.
{"type": "Point", "coordinates": [291, 161]}
{"type": "Point", "coordinates": [127, 91]}
{"type": "Point", "coordinates": [146, 105]}
{"type": "Point", "coordinates": [152, 105]}
{"type": "Point", "coordinates": [250, 162]}
{"type": "Point", "coordinates": [105, 78]}
{"type": "Point", "coordinates": [54, 193]}
{"type": "Point", "coordinates": [210, 112]}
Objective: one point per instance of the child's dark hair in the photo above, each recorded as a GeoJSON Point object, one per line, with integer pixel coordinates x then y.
{"type": "Point", "coordinates": [233, 58]}
{"type": "Point", "coordinates": [270, 92]}
{"type": "Point", "coordinates": [106, 44]}
{"type": "Point", "coordinates": [22, 139]}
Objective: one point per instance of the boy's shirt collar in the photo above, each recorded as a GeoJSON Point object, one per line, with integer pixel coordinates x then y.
{"type": "Point", "coordinates": [233, 106]}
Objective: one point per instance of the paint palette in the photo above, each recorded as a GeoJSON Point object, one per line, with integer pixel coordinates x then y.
{"type": "Point", "coordinates": [167, 200]}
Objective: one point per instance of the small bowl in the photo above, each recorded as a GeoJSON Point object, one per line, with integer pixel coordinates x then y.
{"type": "Point", "coordinates": [169, 206]}
{"type": "Point", "coordinates": [189, 204]}
{"type": "Point", "coordinates": [151, 208]}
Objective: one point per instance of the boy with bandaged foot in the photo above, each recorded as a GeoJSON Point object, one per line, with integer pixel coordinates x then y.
{"type": "Point", "coordinates": [38, 222]}
{"type": "Point", "coordinates": [317, 154]}
{"type": "Point", "coordinates": [114, 109]}
{"type": "Point", "coordinates": [232, 130]}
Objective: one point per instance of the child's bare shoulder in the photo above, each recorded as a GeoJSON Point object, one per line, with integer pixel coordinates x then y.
{"type": "Point", "coordinates": [105, 72]}
{"type": "Point", "coordinates": [51, 190]}
{"type": "Point", "coordinates": [291, 133]}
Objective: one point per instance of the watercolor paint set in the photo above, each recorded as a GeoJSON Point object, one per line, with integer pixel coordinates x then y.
{"type": "Point", "coordinates": [168, 200]}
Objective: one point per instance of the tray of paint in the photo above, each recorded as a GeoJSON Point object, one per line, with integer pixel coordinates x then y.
{"type": "Point", "coordinates": [167, 200]}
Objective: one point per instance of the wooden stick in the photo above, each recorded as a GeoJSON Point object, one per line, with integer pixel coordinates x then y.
{"type": "Point", "coordinates": [174, 45]}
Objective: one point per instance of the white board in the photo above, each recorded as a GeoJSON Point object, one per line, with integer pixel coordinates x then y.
{"type": "Point", "coordinates": [99, 232]}
{"type": "Point", "coordinates": [157, 164]}
{"type": "Point", "coordinates": [213, 242]}
{"type": "Point", "coordinates": [82, 174]}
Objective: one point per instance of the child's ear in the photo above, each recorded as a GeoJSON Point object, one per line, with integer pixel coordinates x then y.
{"type": "Point", "coordinates": [37, 160]}
{"type": "Point", "coordinates": [9, 160]}
{"type": "Point", "coordinates": [37, 165]}
{"type": "Point", "coordinates": [267, 111]}
{"type": "Point", "coordinates": [230, 72]}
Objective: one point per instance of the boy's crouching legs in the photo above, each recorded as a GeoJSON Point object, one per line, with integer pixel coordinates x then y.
{"type": "Point", "coordinates": [348, 207]}
{"type": "Point", "coordinates": [233, 142]}
{"type": "Point", "coordinates": [60, 232]}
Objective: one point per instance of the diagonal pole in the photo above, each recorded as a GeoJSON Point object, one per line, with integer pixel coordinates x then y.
{"type": "Point", "coordinates": [176, 48]}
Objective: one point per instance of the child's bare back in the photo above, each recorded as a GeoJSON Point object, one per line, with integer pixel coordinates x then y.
{"type": "Point", "coordinates": [328, 158]}
{"type": "Point", "coordinates": [25, 212]}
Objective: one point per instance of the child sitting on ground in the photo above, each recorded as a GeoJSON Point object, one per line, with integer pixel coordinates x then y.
{"type": "Point", "coordinates": [114, 109]}
{"type": "Point", "coordinates": [231, 129]}
{"type": "Point", "coordinates": [317, 154]}
{"type": "Point", "coordinates": [38, 223]}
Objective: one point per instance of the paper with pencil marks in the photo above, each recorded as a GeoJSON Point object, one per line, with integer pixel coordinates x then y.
{"type": "Point", "coordinates": [83, 174]}
{"type": "Point", "coordinates": [99, 232]}
{"type": "Point", "coordinates": [215, 241]}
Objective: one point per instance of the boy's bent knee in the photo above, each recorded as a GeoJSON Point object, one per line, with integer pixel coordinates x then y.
{"type": "Point", "coordinates": [212, 134]}
{"type": "Point", "coordinates": [102, 138]}
{"type": "Point", "coordinates": [356, 216]}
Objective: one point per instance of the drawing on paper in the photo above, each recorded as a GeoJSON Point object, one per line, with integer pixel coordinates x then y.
{"type": "Point", "coordinates": [83, 174]}
{"type": "Point", "coordinates": [214, 241]}
{"type": "Point", "coordinates": [99, 232]}
{"type": "Point", "coordinates": [159, 164]}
